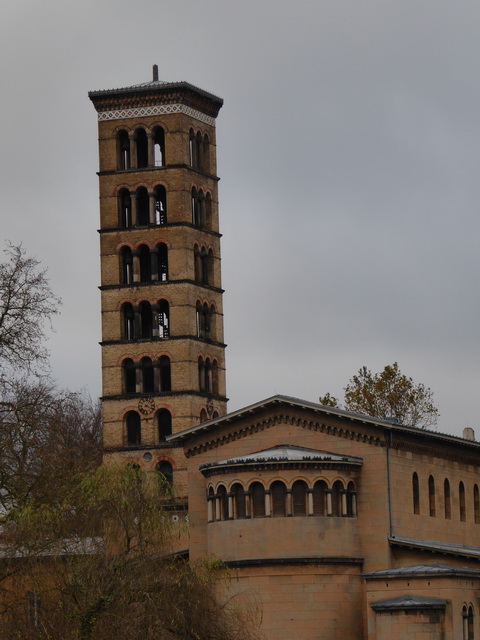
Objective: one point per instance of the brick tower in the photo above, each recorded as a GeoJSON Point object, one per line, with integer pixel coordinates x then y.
{"type": "Point", "coordinates": [163, 355]}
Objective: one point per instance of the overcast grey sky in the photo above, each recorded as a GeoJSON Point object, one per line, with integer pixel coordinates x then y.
{"type": "Point", "coordinates": [348, 151]}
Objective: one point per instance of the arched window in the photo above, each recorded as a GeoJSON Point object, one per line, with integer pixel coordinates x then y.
{"type": "Point", "coordinates": [146, 320]}
{"type": "Point", "coordinates": [476, 504]}
{"type": "Point", "coordinates": [320, 498]}
{"type": "Point", "coordinates": [203, 265]}
{"type": "Point", "coordinates": [128, 321]}
{"type": "Point", "coordinates": [162, 257]}
{"type": "Point", "coordinates": [124, 209]}
{"type": "Point", "coordinates": [446, 498]}
{"type": "Point", "coordinates": [257, 493]}
{"type": "Point", "coordinates": [208, 376]}
{"type": "Point", "coordinates": [337, 491]}
{"type": "Point", "coordinates": [196, 209]}
{"type": "Point", "coordinates": [163, 319]}
{"type": "Point", "coordinates": [351, 500]}
{"type": "Point", "coordinates": [160, 197]}
{"type": "Point", "coordinates": [201, 374]}
{"type": "Point", "coordinates": [416, 494]}
{"type": "Point", "coordinates": [123, 150]}
{"type": "Point", "coordinates": [164, 422]}
{"type": "Point", "coordinates": [196, 149]}
{"type": "Point", "coordinates": [159, 147]}
{"type": "Point", "coordinates": [146, 368]}
{"type": "Point", "coordinates": [223, 502]}
{"type": "Point", "coordinates": [299, 498]}
{"type": "Point", "coordinates": [239, 504]}
{"type": "Point", "coordinates": [142, 148]}
{"type": "Point", "coordinates": [165, 377]}
{"type": "Point", "coordinates": [203, 416]}
{"type": "Point", "coordinates": [468, 628]}
{"type": "Point", "coordinates": [126, 265]}
{"type": "Point", "coordinates": [278, 492]}
{"type": "Point", "coordinates": [145, 263]}
{"type": "Point", "coordinates": [431, 496]}
{"type": "Point", "coordinates": [143, 206]}
{"type": "Point", "coordinates": [461, 500]}
{"type": "Point", "coordinates": [205, 162]}
{"type": "Point", "coordinates": [165, 470]}
{"type": "Point", "coordinates": [214, 374]}
{"type": "Point", "coordinates": [132, 422]}
{"type": "Point", "coordinates": [129, 378]}
{"type": "Point", "coordinates": [211, 505]}
{"type": "Point", "coordinates": [208, 212]}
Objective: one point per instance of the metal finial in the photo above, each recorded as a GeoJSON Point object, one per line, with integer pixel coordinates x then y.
{"type": "Point", "coordinates": [155, 72]}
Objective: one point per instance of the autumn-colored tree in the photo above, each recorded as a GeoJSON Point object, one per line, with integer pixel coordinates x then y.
{"type": "Point", "coordinates": [389, 394]}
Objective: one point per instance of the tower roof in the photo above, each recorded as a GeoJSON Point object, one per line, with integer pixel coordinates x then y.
{"type": "Point", "coordinates": [153, 91]}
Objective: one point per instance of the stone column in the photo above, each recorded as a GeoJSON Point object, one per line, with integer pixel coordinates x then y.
{"type": "Point", "coordinates": [289, 503]}
{"type": "Point", "coordinates": [310, 501]}
{"type": "Point", "coordinates": [328, 494]}
{"type": "Point", "coordinates": [268, 511]}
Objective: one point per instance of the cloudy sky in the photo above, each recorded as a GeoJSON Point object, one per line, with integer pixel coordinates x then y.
{"type": "Point", "coordinates": [349, 154]}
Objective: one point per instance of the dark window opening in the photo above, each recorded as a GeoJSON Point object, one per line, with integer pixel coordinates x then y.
{"type": "Point", "coordinates": [128, 328]}
{"type": "Point", "coordinates": [337, 491]}
{"type": "Point", "coordinates": [123, 144]}
{"type": "Point", "coordinates": [431, 496]}
{"type": "Point", "coordinates": [239, 502]}
{"type": "Point", "coordinates": [129, 376]}
{"type": "Point", "coordinates": [164, 418]}
{"type": "Point", "coordinates": [145, 320]}
{"type": "Point", "coordinates": [146, 368]}
{"type": "Point", "coordinates": [351, 500]}
{"type": "Point", "coordinates": [159, 146]}
{"type": "Point", "coordinates": [476, 504]}
{"type": "Point", "coordinates": [416, 494]}
{"type": "Point", "coordinates": [257, 493]}
{"type": "Point", "coordinates": [126, 261]}
{"type": "Point", "coordinates": [143, 207]}
{"type": "Point", "coordinates": [203, 416]}
{"type": "Point", "coordinates": [461, 497]}
{"type": "Point", "coordinates": [299, 498]}
{"type": "Point", "coordinates": [165, 470]}
{"type": "Point", "coordinates": [165, 377]}
{"type": "Point", "coordinates": [145, 263]}
{"type": "Point", "coordinates": [163, 319]}
{"type": "Point", "coordinates": [223, 502]}
{"type": "Point", "coordinates": [142, 148]}
{"type": "Point", "coordinates": [162, 253]}
{"type": "Point", "coordinates": [132, 420]}
{"type": "Point", "coordinates": [320, 498]}
{"type": "Point", "coordinates": [446, 495]}
{"type": "Point", "coordinates": [125, 208]}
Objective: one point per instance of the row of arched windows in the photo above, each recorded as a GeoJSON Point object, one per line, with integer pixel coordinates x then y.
{"type": "Point", "coordinates": [447, 499]}
{"type": "Point", "coordinates": [142, 207]}
{"type": "Point", "coordinates": [140, 148]}
{"type": "Point", "coordinates": [133, 426]}
{"type": "Point", "coordinates": [281, 501]}
{"type": "Point", "coordinates": [201, 209]}
{"type": "Point", "coordinates": [146, 376]}
{"type": "Point", "coordinates": [145, 321]}
{"type": "Point", "coordinates": [203, 264]}
{"type": "Point", "coordinates": [144, 264]}
{"type": "Point", "coordinates": [207, 375]}
{"type": "Point", "coordinates": [199, 148]}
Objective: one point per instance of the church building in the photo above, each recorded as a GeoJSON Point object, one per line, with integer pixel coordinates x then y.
{"type": "Point", "coordinates": [338, 525]}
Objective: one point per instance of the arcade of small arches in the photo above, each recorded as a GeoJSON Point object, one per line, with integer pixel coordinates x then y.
{"type": "Point", "coordinates": [203, 264]}
{"type": "Point", "coordinates": [279, 499]}
{"type": "Point", "coordinates": [146, 375]}
{"type": "Point", "coordinates": [208, 375]}
{"type": "Point", "coordinates": [140, 148]}
{"type": "Point", "coordinates": [431, 495]}
{"type": "Point", "coordinates": [145, 321]}
{"type": "Point", "coordinates": [142, 207]}
{"type": "Point", "coordinates": [143, 264]}
{"type": "Point", "coordinates": [201, 208]}
{"type": "Point", "coordinates": [144, 147]}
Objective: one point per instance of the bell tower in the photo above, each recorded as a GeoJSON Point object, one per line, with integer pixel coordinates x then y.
{"type": "Point", "coordinates": [163, 355]}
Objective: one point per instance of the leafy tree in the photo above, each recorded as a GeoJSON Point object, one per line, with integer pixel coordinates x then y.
{"type": "Point", "coordinates": [26, 304]}
{"type": "Point", "coordinates": [388, 394]}
{"type": "Point", "coordinates": [122, 584]}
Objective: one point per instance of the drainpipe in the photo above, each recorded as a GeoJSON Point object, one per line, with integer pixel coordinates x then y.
{"type": "Point", "coordinates": [390, 514]}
